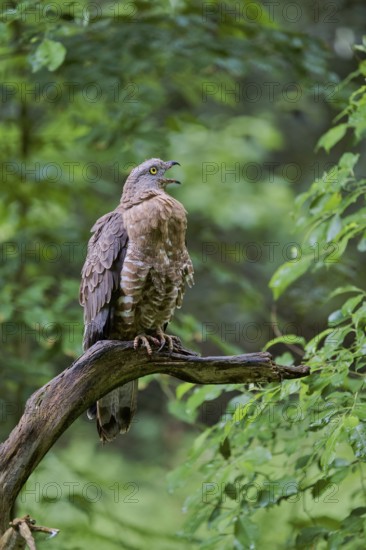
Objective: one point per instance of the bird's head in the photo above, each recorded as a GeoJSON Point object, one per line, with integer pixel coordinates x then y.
{"type": "Point", "coordinates": [146, 178]}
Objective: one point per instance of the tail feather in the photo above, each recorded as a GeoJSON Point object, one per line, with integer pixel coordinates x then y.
{"type": "Point", "coordinates": [114, 412]}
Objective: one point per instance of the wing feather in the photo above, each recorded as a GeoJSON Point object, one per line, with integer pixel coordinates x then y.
{"type": "Point", "coordinates": [101, 274]}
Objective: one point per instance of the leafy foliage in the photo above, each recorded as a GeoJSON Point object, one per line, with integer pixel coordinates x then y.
{"type": "Point", "coordinates": [240, 99]}
{"type": "Point", "coordinates": [303, 444]}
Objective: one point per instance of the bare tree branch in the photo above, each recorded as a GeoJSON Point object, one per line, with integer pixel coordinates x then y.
{"type": "Point", "coordinates": [105, 366]}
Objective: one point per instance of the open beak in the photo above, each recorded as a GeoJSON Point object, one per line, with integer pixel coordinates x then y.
{"type": "Point", "coordinates": [166, 181]}
{"type": "Point", "coordinates": [171, 163]}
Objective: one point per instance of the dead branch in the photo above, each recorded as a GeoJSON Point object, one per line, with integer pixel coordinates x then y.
{"type": "Point", "coordinates": [20, 532]}
{"type": "Point", "coordinates": [104, 367]}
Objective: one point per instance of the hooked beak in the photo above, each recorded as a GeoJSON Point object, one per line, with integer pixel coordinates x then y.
{"type": "Point", "coordinates": [166, 181]}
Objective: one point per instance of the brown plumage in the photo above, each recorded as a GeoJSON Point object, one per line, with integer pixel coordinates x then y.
{"type": "Point", "coordinates": [133, 278]}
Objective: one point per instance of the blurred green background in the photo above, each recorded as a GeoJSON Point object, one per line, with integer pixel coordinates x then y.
{"type": "Point", "coordinates": [239, 93]}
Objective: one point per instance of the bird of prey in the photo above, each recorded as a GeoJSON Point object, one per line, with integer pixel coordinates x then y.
{"type": "Point", "coordinates": [133, 278]}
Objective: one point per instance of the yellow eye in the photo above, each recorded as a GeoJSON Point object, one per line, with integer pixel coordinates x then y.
{"type": "Point", "coordinates": [153, 170]}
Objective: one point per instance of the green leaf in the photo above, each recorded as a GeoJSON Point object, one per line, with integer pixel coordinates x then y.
{"type": "Point", "coordinates": [357, 439]}
{"type": "Point", "coordinates": [231, 490]}
{"type": "Point", "coordinates": [348, 161]}
{"type": "Point", "coordinates": [216, 512]}
{"type": "Point", "coordinates": [355, 521]}
{"type": "Point", "coordinates": [50, 54]}
{"type": "Point", "coordinates": [224, 448]}
{"type": "Point", "coordinates": [285, 339]}
{"type": "Point", "coordinates": [334, 228]}
{"type": "Point", "coordinates": [328, 455]}
{"type": "Point", "coordinates": [350, 305]}
{"type": "Point", "coordinates": [308, 535]}
{"type": "Point", "coordinates": [336, 317]}
{"type": "Point", "coordinates": [319, 487]}
{"type": "Point", "coordinates": [330, 138]}
{"type": "Point", "coordinates": [200, 395]}
{"type": "Point", "coordinates": [302, 461]}
{"type": "Point", "coordinates": [344, 289]}
{"type": "Point", "coordinates": [182, 389]}
{"type": "Point", "coordinates": [245, 532]}
{"type": "Point", "coordinates": [315, 342]}
{"type": "Point", "coordinates": [285, 359]}
{"type": "Point", "coordinates": [289, 387]}
{"type": "Point", "coordinates": [361, 246]}
{"type": "Point", "coordinates": [242, 411]}
{"type": "Point", "coordinates": [287, 274]}
{"type": "Point", "coordinates": [335, 338]}
{"type": "Point", "coordinates": [359, 316]}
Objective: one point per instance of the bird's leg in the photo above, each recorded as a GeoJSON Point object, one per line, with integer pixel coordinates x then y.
{"type": "Point", "coordinates": [173, 341]}
{"type": "Point", "coordinates": [143, 340]}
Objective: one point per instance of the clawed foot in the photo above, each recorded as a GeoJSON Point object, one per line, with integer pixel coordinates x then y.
{"type": "Point", "coordinates": [143, 341]}
{"type": "Point", "coordinates": [161, 339]}
{"type": "Point", "coordinates": [172, 341]}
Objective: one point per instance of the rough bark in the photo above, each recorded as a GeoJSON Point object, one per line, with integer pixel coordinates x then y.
{"type": "Point", "coordinates": [105, 366]}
